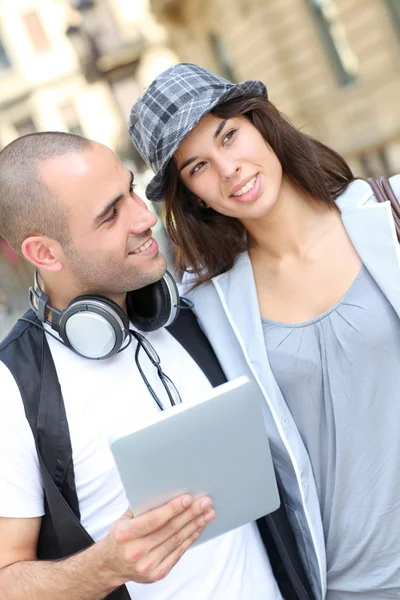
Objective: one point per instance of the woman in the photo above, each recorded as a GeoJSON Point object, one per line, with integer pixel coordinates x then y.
{"type": "Point", "coordinates": [303, 274]}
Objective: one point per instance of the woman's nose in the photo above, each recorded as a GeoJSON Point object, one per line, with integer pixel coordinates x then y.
{"type": "Point", "coordinates": [228, 168]}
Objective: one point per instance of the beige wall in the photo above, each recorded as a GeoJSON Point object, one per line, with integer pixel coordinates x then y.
{"type": "Point", "coordinates": [278, 42]}
{"type": "Point", "coordinates": [39, 83]}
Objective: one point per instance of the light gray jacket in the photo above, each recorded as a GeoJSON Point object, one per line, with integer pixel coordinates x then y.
{"type": "Point", "coordinates": [227, 309]}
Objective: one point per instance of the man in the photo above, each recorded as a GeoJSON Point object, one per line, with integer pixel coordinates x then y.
{"type": "Point", "coordinates": [68, 204]}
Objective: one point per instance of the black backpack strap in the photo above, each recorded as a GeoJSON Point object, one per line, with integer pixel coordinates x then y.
{"type": "Point", "coordinates": [188, 333]}
{"type": "Point", "coordinates": [48, 421]}
{"type": "Point", "coordinates": [69, 533]}
{"type": "Point", "coordinates": [286, 563]}
{"type": "Point", "coordinates": [27, 355]}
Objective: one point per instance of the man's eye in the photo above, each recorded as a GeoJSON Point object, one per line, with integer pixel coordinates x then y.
{"type": "Point", "coordinates": [112, 216]}
{"type": "Point", "coordinates": [197, 168]}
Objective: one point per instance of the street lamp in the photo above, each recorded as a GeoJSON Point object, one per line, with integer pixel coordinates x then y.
{"type": "Point", "coordinates": [83, 5]}
{"type": "Point", "coordinates": [83, 38]}
{"type": "Point", "coordinates": [114, 65]}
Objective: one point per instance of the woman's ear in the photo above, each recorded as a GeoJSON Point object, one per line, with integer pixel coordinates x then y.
{"type": "Point", "coordinates": [202, 204]}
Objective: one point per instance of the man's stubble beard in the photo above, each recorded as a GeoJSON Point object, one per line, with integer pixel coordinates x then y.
{"type": "Point", "coordinates": [108, 279]}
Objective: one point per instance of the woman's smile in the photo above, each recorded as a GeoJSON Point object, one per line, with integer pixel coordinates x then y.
{"type": "Point", "coordinates": [249, 191]}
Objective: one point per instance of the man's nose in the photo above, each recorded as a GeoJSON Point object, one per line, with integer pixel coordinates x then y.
{"type": "Point", "coordinates": [141, 218]}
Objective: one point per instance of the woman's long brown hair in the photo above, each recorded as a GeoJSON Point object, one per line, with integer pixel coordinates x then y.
{"type": "Point", "coordinates": [208, 243]}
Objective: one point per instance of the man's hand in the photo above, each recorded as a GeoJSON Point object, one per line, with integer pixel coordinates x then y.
{"type": "Point", "coordinates": [145, 548]}
{"type": "Point", "coordinates": [142, 549]}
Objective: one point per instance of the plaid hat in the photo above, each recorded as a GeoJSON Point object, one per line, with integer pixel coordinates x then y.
{"type": "Point", "coordinates": [171, 107]}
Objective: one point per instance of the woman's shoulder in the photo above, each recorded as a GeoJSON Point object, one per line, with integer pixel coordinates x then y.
{"type": "Point", "coordinates": [191, 280]}
{"type": "Point", "coordinates": [359, 193]}
{"type": "Point", "coordinates": [190, 284]}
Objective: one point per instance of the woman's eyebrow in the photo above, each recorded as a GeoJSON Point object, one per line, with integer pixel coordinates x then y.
{"type": "Point", "coordinates": [193, 158]}
{"type": "Point", "coordinates": [219, 128]}
{"type": "Point", "coordinates": [187, 162]}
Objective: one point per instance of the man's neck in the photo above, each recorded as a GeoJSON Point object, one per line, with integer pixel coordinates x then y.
{"type": "Point", "coordinates": [61, 296]}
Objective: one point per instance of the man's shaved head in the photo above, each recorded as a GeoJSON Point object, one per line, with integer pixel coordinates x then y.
{"type": "Point", "coordinates": [27, 207]}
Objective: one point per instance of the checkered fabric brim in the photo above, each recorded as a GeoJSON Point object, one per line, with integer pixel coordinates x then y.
{"type": "Point", "coordinates": [171, 107]}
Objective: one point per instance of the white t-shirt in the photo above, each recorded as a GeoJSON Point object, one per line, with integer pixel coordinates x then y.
{"type": "Point", "coordinates": [102, 399]}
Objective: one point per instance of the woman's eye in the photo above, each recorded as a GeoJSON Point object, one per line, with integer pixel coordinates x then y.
{"type": "Point", "coordinates": [228, 136]}
{"type": "Point", "coordinates": [197, 168]}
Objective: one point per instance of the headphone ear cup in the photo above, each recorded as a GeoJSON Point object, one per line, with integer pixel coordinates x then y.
{"type": "Point", "coordinates": [155, 305]}
{"type": "Point", "coordinates": [94, 327]}
{"type": "Point", "coordinates": [110, 303]}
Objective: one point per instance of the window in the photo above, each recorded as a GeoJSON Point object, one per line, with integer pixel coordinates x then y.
{"type": "Point", "coordinates": [4, 60]}
{"type": "Point", "coordinates": [394, 11]}
{"type": "Point", "coordinates": [70, 118]}
{"type": "Point", "coordinates": [224, 59]}
{"type": "Point", "coordinates": [37, 34]}
{"type": "Point", "coordinates": [25, 126]}
{"type": "Point", "coordinates": [333, 38]}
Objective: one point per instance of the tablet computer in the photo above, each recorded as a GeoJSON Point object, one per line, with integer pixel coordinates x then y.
{"type": "Point", "coordinates": [217, 446]}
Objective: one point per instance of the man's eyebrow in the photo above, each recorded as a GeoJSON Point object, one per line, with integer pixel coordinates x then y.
{"type": "Point", "coordinates": [107, 209]}
{"type": "Point", "coordinates": [111, 204]}
{"type": "Point", "coordinates": [193, 158]}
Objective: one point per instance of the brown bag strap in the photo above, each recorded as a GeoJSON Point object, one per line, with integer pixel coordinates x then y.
{"type": "Point", "coordinates": [384, 192]}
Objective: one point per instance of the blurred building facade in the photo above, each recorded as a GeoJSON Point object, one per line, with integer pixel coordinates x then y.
{"type": "Point", "coordinates": [332, 66]}
{"type": "Point", "coordinates": [77, 66]}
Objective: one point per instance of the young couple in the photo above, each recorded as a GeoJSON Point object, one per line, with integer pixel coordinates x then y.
{"type": "Point", "coordinates": [293, 269]}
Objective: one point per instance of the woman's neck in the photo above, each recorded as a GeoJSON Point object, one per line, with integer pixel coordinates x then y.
{"type": "Point", "coordinates": [293, 225]}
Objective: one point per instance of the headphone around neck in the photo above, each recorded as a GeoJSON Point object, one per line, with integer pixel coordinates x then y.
{"type": "Point", "coordinates": [95, 327]}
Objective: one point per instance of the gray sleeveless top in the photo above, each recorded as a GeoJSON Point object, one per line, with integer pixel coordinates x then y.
{"type": "Point", "coordinates": [340, 377]}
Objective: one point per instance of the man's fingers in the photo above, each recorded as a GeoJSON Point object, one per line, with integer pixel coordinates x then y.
{"type": "Point", "coordinates": [171, 517]}
{"type": "Point", "coordinates": [170, 561]}
{"type": "Point", "coordinates": [198, 515]}
{"type": "Point", "coordinates": [145, 524]}
{"type": "Point", "coordinates": [148, 546]}
{"type": "Point", "coordinates": [128, 514]}
{"type": "Point", "coordinates": [177, 539]}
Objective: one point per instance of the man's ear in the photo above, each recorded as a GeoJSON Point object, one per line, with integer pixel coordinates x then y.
{"type": "Point", "coordinates": [44, 253]}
